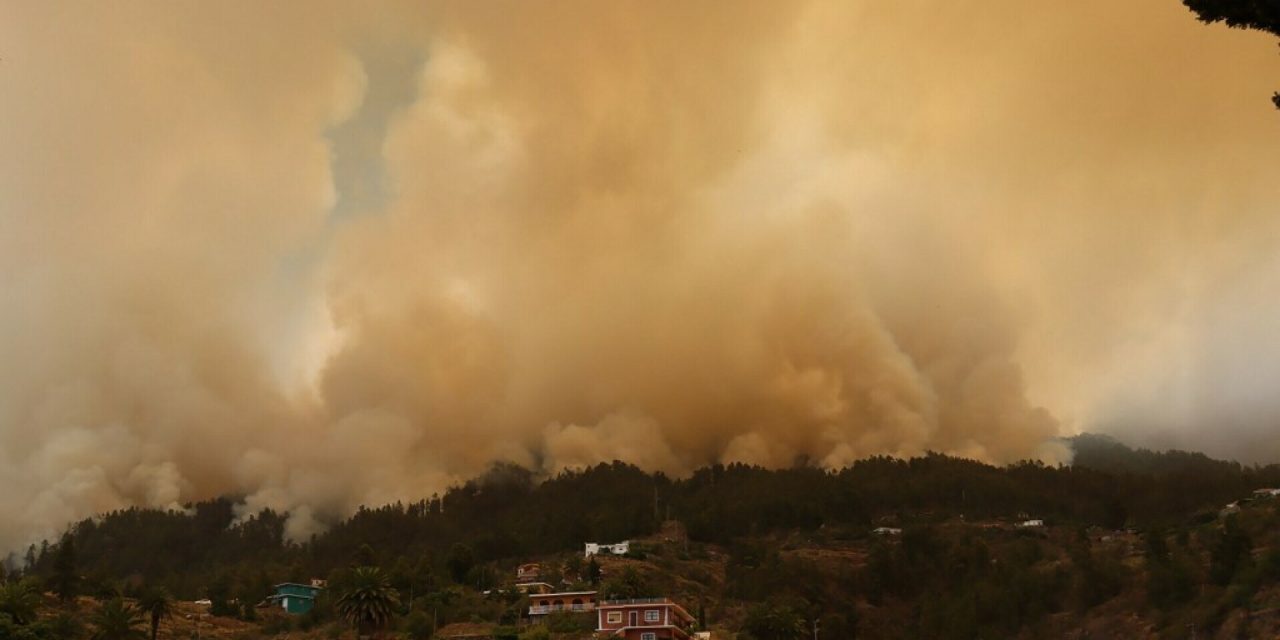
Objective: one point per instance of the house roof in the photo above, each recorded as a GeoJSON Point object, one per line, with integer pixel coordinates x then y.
{"type": "Point", "coordinates": [297, 584]}
{"type": "Point", "coordinates": [644, 602]}
{"type": "Point", "coordinates": [282, 596]}
{"type": "Point", "coordinates": [565, 593]}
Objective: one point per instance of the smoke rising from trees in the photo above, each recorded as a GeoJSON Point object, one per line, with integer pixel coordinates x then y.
{"type": "Point", "coordinates": [664, 234]}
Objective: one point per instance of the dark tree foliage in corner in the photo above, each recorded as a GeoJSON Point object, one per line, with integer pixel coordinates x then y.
{"type": "Point", "coordinates": [1261, 15]}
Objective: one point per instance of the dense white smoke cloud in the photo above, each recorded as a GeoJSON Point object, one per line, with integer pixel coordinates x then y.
{"type": "Point", "coordinates": [663, 233]}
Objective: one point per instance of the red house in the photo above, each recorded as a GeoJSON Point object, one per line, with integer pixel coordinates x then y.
{"type": "Point", "coordinates": [644, 619]}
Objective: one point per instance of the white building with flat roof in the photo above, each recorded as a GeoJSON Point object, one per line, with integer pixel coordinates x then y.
{"type": "Point", "coordinates": [617, 548]}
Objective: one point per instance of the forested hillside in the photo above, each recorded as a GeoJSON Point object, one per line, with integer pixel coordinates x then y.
{"type": "Point", "coordinates": [765, 543]}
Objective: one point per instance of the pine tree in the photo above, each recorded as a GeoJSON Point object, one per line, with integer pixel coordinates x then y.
{"type": "Point", "coordinates": [365, 557]}
{"type": "Point", "coordinates": [1230, 552]}
{"type": "Point", "coordinates": [65, 581]}
{"type": "Point", "coordinates": [219, 594]}
{"type": "Point", "coordinates": [460, 561]}
{"type": "Point", "coordinates": [593, 572]}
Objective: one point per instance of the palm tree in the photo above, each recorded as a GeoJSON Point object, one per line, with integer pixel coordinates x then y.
{"type": "Point", "coordinates": [65, 624]}
{"type": "Point", "coordinates": [116, 620]}
{"type": "Point", "coordinates": [157, 603]}
{"type": "Point", "coordinates": [368, 601]}
{"type": "Point", "coordinates": [19, 599]}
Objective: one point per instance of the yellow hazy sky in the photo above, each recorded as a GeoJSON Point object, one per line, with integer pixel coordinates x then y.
{"type": "Point", "coordinates": [324, 254]}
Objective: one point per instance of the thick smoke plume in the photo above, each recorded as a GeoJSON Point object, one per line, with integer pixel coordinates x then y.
{"type": "Point", "coordinates": [665, 233]}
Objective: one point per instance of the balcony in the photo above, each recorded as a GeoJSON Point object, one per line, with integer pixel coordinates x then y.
{"type": "Point", "coordinates": [635, 601]}
{"type": "Point", "coordinates": [542, 610]}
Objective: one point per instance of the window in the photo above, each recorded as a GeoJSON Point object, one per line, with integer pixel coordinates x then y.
{"type": "Point", "coordinates": [649, 636]}
{"type": "Point", "coordinates": [615, 617]}
{"type": "Point", "coordinates": [652, 615]}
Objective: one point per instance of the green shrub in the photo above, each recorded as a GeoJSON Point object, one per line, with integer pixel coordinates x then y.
{"type": "Point", "coordinates": [536, 632]}
{"type": "Point", "coordinates": [417, 626]}
{"type": "Point", "coordinates": [277, 624]}
{"type": "Point", "coordinates": [567, 622]}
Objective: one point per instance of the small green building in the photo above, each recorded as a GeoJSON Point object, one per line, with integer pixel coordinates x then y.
{"type": "Point", "coordinates": [294, 597]}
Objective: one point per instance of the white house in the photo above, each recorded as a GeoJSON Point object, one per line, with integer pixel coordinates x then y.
{"type": "Point", "coordinates": [1266, 493]}
{"type": "Point", "coordinates": [617, 549]}
{"type": "Point", "coordinates": [1030, 524]}
{"type": "Point", "coordinates": [887, 531]}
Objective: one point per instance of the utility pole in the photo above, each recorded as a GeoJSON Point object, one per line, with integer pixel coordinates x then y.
{"type": "Point", "coordinates": [815, 628]}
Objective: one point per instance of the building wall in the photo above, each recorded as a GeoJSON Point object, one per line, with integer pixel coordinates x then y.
{"type": "Point", "coordinates": [528, 572]}
{"type": "Point", "coordinates": [617, 549]}
{"type": "Point", "coordinates": [296, 598]}
{"type": "Point", "coordinates": [635, 616]}
{"type": "Point", "coordinates": [297, 605]}
{"type": "Point", "coordinates": [658, 634]}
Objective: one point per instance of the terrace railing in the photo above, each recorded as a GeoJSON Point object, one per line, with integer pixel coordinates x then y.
{"type": "Point", "coordinates": [636, 601]}
{"type": "Point", "coordinates": [538, 610]}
